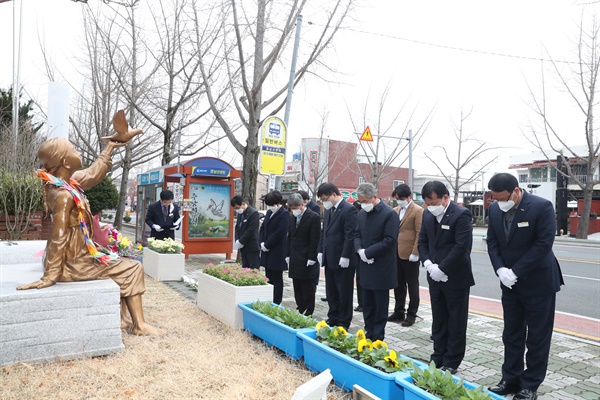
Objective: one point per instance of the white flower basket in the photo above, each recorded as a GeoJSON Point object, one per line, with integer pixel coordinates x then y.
{"type": "Point", "coordinates": [164, 267]}
{"type": "Point", "coordinates": [219, 299]}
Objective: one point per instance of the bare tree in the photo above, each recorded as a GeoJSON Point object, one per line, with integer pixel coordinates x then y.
{"type": "Point", "coordinates": [580, 82]}
{"type": "Point", "coordinates": [252, 41]}
{"type": "Point", "coordinates": [389, 149]}
{"type": "Point", "coordinates": [470, 151]}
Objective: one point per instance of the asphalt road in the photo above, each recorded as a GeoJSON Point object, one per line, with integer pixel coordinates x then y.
{"type": "Point", "coordinates": [580, 266]}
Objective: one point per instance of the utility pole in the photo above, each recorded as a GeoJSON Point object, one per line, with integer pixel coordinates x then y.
{"type": "Point", "coordinates": [410, 168]}
{"type": "Point", "coordinates": [179, 145]}
{"type": "Point", "coordinates": [288, 101]}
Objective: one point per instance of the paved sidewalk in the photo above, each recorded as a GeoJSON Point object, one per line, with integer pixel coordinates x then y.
{"type": "Point", "coordinates": [573, 371]}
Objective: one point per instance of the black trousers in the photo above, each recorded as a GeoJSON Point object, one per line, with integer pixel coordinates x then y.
{"type": "Point", "coordinates": [339, 288]}
{"type": "Point", "coordinates": [450, 311]}
{"type": "Point", "coordinates": [304, 294]}
{"type": "Point", "coordinates": [276, 279]}
{"type": "Point", "coordinates": [250, 259]}
{"type": "Point", "coordinates": [408, 277]}
{"type": "Point", "coordinates": [528, 322]}
{"type": "Point", "coordinates": [375, 312]}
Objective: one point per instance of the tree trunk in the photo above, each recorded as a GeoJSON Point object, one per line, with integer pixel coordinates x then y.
{"type": "Point", "coordinates": [584, 218]}
{"type": "Point", "coordinates": [250, 169]}
{"type": "Point", "coordinates": [123, 189]}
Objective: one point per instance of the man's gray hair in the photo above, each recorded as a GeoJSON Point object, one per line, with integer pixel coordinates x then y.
{"type": "Point", "coordinates": [295, 200]}
{"type": "Point", "coordinates": [366, 190]}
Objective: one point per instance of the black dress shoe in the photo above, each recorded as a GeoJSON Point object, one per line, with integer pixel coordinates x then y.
{"type": "Point", "coordinates": [396, 317]}
{"type": "Point", "coordinates": [409, 321]}
{"type": "Point", "coordinates": [525, 394]}
{"type": "Point", "coordinates": [323, 298]}
{"type": "Point", "coordinates": [504, 388]}
{"type": "Point", "coordinates": [358, 309]}
{"type": "Point", "coordinates": [449, 369]}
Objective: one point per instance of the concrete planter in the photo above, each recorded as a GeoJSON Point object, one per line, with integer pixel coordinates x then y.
{"type": "Point", "coordinates": [163, 267]}
{"type": "Point", "coordinates": [220, 299]}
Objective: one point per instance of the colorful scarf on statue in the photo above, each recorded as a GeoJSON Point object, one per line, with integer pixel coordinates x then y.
{"type": "Point", "coordinates": [77, 193]}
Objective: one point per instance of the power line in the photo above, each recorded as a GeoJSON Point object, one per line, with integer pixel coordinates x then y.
{"type": "Point", "coordinates": [490, 53]}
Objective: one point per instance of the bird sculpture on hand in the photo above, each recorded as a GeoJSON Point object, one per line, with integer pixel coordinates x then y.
{"type": "Point", "coordinates": [124, 134]}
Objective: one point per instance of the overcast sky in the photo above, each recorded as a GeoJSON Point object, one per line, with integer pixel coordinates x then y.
{"type": "Point", "coordinates": [433, 53]}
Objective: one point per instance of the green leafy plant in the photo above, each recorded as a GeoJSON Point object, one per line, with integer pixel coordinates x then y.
{"type": "Point", "coordinates": [166, 246]}
{"type": "Point", "coordinates": [236, 275]}
{"type": "Point", "coordinates": [286, 316]}
{"type": "Point", "coordinates": [103, 196]}
{"type": "Point", "coordinates": [127, 219]}
{"type": "Point", "coordinates": [376, 354]}
{"type": "Point", "coordinates": [442, 384]}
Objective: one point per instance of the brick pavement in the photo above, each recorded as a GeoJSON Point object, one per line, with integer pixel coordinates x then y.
{"type": "Point", "coordinates": [573, 371]}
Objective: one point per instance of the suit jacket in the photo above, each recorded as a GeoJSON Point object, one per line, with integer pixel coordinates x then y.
{"type": "Point", "coordinates": [154, 215]}
{"type": "Point", "coordinates": [273, 232]}
{"type": "Point", "coordinates": [314, 207]}
{"type": "Point", "coordinates": [528, 249]}
{"type": "Point", "coordinates": [337, 236]}
{"type": "Point", "coordinates": [377, 233]}
{"type": "Point", "coordinates": [303, 245]}
{"type": "Point", "coordinates": [246, 229]}
{"type": "Point", "coordinates": [410, 226]}
{"type": "Point", "coordinates": [450, 247]}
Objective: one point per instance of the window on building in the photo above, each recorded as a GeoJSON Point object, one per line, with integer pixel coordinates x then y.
{"type": "Point", "coordinates": [523, 178]}
{"type": "Point", "coordinates": [397, 183]}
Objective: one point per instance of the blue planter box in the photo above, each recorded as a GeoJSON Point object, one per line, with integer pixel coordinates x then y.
{"type": "Point", "coordinates": [413, 392]}
{"type": "Point", "coordinates": [348, 372]}
{"type": "Point", "coordinates": [273, 332]}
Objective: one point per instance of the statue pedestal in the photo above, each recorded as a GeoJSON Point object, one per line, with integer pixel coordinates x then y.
{"type": "Point", "coordinates": [65, 321]}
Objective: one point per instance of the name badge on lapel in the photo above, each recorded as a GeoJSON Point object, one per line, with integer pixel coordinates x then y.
{"type": "Point", "coordinates": [523, 224]}
{"type": "Point", "coordinates": [446, 227]}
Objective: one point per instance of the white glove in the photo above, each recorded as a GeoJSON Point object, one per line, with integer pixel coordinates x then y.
{"type": "Point", "coordinates": [370, 261]}
{"type": "Point", "coordinates": [362, 255]}
{"type": "Point", "coordinates": [310, 262]}
{"type": "Point", "coordinates": [175, 227]}
{"type": "Point", "coordinates": [413, 258]}
{"type": "Point", "coordinates": [157, 228]}
{"type": "Point", "coordinates": [436, 273]}
{"type": "Point", "coordinates": [287, 261]}
{"type": "Point", "coordinates": [237, 245]}
{"type": "Point", "coordinates": [427, 263]}
{"type": "Point", "coordinates": [320, 258]}
{"type": "Point", "coordinates": [507, 277]}
{"type": "Point", "coordinates": [344, 262]}
{"type": "Point", "coordinates": [263, 248]}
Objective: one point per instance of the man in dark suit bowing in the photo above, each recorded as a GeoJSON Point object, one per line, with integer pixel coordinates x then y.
{"type": "Point", "coordinates": [445, 243]}
{"type": "Point", "coordinates": [163, 217]}
{"type": "Point", "coordinates": [376, 243]}
{"type": "Point", "coordinates": [273, 242]}
{"type": "Point", "coordinates": [246, 232]}
{"type": "Point", "coordinates": [303, 244]}
{"type": "Point", "coordinates": [520, 237]}
{"type": "Point", "coordinates": [336, 254]}
{"type": "Point", "coordinates": [309, 203]}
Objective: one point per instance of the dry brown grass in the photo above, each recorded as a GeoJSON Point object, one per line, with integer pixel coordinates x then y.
{"type": "Point", "coordinates": [198, 358]}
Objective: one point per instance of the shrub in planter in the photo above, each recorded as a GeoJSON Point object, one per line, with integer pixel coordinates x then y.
{"type": "Point", "coordinates": [166, 246]}
{"type": "Point", "coordinates": [236, 275]}
{"type": "Point", "coordinates": [444, 385]}
{"type": "Point", "coordinates": [127, 219]}
{"type": "Point", "coordinates": [286, 316]}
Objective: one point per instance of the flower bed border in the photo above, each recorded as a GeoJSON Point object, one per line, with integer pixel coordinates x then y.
{"type": "Point", "coordinates": [220, 299]}
{"type": "Point", "coordinates": [273, 332]}
{"type": "Point", "coordinates": [163, 266]}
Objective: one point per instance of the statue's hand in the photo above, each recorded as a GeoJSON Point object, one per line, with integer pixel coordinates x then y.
{"type": "Point", "coordinates": [42, 283]}
{"type": "Point", "coordinates": [114, 145]}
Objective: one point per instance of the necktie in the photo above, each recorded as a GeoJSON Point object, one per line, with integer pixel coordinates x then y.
{"type": "Point", "coordinates": [298, 218]}
{"type": "Point", "coordinates": [165, 213]}
{"type": "Point", "coordinates": [436, 224]}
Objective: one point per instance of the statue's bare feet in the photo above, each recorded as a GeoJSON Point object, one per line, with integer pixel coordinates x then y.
{"type": "Point", "coordinates": [145, 329]}
{"type": "Point", "coordinates": [126, 325]}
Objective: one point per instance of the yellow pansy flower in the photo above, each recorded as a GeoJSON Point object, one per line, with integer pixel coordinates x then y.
{"type": "Point", "coordinates": [360, 335]}
{"type": "Point", "coordinates": [321, 324]}
{"type": "Point", "coordinates": [361, 345]}
{"type": "Point", "coordinates": [379, 343]}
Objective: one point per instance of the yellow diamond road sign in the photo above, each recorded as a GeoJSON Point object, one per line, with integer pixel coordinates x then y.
{"type": "Point", "coordinates": [366, 136]}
